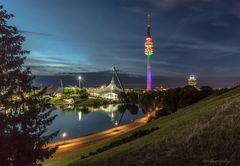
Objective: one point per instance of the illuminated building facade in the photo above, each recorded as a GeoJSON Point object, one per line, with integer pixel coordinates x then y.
{"type": "Point", "coordinates": [149, 53]}
{"type": "Point", "coordinates": [192, 81]}
{"type": "Point", "coordinates": [109, 92]}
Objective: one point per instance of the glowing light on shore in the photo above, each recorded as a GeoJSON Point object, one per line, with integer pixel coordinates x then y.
{"type": "Point", "coordinates": [64, 134]}
{"type": "Point", "coordinates": [116, 123]}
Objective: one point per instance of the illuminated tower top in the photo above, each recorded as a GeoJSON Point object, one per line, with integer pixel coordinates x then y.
{"type": "Point", "coordinates": [149, 43]}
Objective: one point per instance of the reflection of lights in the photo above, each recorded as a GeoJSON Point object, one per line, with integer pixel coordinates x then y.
{"type": "Point", "coordinates": [111, 110]}
{"type": "Point", "coordinates": [148, 115]}
{"type": "Point", "coordinates": [64, 134]}
{"type": "Point", "coordinates": [79, 81]}
{"type": "Point", "coordinates": [80, 115]}
{"type": "Point", "coordinates": [116, 123]}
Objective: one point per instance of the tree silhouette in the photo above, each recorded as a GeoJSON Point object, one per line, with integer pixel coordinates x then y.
{"type": "Point", "coordinates": [24, 112]}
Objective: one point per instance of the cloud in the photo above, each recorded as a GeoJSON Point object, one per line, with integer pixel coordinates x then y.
{"type": "Point", "coordinates": [55, 65]}
{"type": "Point", "coordinates": [59, 70]}
{"type": "Point", "coordinates": [236, 10]}
{"type": "Point", "coordinates": [50, 61]}
{"type": "Point", "coordinates": [135, 9]}
{"type": "Point", "coordinates": [166, 4]}
{"type": "Point", "coordinates": [25, 32]}
{"type": "Point", "coordinates": [98, 78]}
{"type": "Point", "coordinates": [192, 4]}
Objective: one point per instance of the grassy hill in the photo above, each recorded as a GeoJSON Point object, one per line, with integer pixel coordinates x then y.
{"type": "Point", "coordinates": [206, 130]}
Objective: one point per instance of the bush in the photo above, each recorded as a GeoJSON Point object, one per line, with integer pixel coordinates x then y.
{"type": "Point", "coordinates": [113, 144]}
{"type": "Point", "coordinates": [173, 99]}
{"type": "Point", "coordinates": [83, 94]}
{"type": "Point", "coordinates": [70, 90]}
{"type": "Point", "coordinates": [74, 91]}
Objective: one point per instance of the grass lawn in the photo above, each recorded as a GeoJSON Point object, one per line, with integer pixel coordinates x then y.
{"type": "Point", "coordinates": [206, 130]}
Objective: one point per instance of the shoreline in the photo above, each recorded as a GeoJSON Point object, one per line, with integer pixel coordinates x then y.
{"type": "Point", "coordinates": [82, 141]}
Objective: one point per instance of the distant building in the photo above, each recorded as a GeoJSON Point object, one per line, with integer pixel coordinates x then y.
{"type": "Point", "coordinates": [162, 88]}
{"type": "Point", "coordinates": [192, 81]}
{"type": "Point", "coordinates": [108, 92]}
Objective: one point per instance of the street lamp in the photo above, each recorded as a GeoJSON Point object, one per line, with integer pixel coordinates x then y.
{"type": "Point", "coordinates": [79, 81]}
{"type": "Point", "coordinates": [64, 134]}
{"type": "Point", "coordinates": [116, 123]}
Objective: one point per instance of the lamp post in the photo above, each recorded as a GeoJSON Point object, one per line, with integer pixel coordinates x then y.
{"type": "Point", "coordinates": [79, 81]}
{"type": "Point", "coordinates": [64, 134]}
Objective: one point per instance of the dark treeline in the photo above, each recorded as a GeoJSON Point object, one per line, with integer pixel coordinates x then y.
{"type": "Point", "coordinates": [169, 101]}
{"type": "Point", "coordinates": [24, 111]}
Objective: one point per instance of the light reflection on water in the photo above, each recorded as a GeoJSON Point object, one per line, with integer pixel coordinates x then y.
{"type": "Point", "coordinates": [86, 120]}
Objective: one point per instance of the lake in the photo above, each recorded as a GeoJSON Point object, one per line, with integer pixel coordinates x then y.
{"type": "Point", "coordinates": [79, 121]}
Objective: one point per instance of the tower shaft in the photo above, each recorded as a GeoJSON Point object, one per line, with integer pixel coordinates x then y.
{"type": "Point", "coordinates": [149, 75]}
{"type": "Point", "coordinates": [148, 53]}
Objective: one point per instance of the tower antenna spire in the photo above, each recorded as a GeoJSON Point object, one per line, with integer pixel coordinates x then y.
{"type": "Point", "coordinates": [149, 19]}
{"type": "Point", "coordinates": [149, 25]}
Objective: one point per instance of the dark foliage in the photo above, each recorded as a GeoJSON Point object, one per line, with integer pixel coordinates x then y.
{"type": "Point", "coordinates": [121, 96]}
{"type": "Point", "coordinates": [147, 100]}
{"type": "Point", "coordinates": [173, 99]}
{"type": "Point", "coordinates": [24, 112]}
{"type": "Point", "coordinates": [205, 91]}
{"type": "Point", "coordinates": [167, 101]}
{"type": "Point", "coordinates": [133, 109]}
{"type": "Point", "coordinates": [129, 97]}
{"type": "Point", "coordinates": [133, 97]}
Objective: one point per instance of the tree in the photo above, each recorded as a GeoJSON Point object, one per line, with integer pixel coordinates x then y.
{"type": "Point", "coordinates": [123, 97]}
{"type": "Point", "coordinates": [188, 95]}
{"type": "Point", "coordinates": [132, 97]}
{"type": "Point", "coordinates": [70, 90]}
{"type": "Point", "coordinates": [133, 109]}
{"type": "Point", "coordinates": [147, 100]}
{"type": "Point", "coordinates": [83, 94]}
{"type": "Point", "coordinates": [206, 91]}
{"type": "Point", "coordinates": [170, 100]}
{"type": "Point", "coordinates": [24, 112]}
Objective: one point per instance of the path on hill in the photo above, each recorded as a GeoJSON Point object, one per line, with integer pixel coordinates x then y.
{"type": "Point", "coordinates": [76, 143]}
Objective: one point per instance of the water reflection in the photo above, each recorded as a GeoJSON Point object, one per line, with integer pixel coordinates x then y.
{"type": "Point", "coordinates": [111, 110]}
{"type": "Point", "coordinates": [78, 121]}
{"type": "Point", "coordinates": [80, 115]}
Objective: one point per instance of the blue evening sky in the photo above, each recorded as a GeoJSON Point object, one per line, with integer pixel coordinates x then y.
{"type": "Point", "coordinates": [70, 36]}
